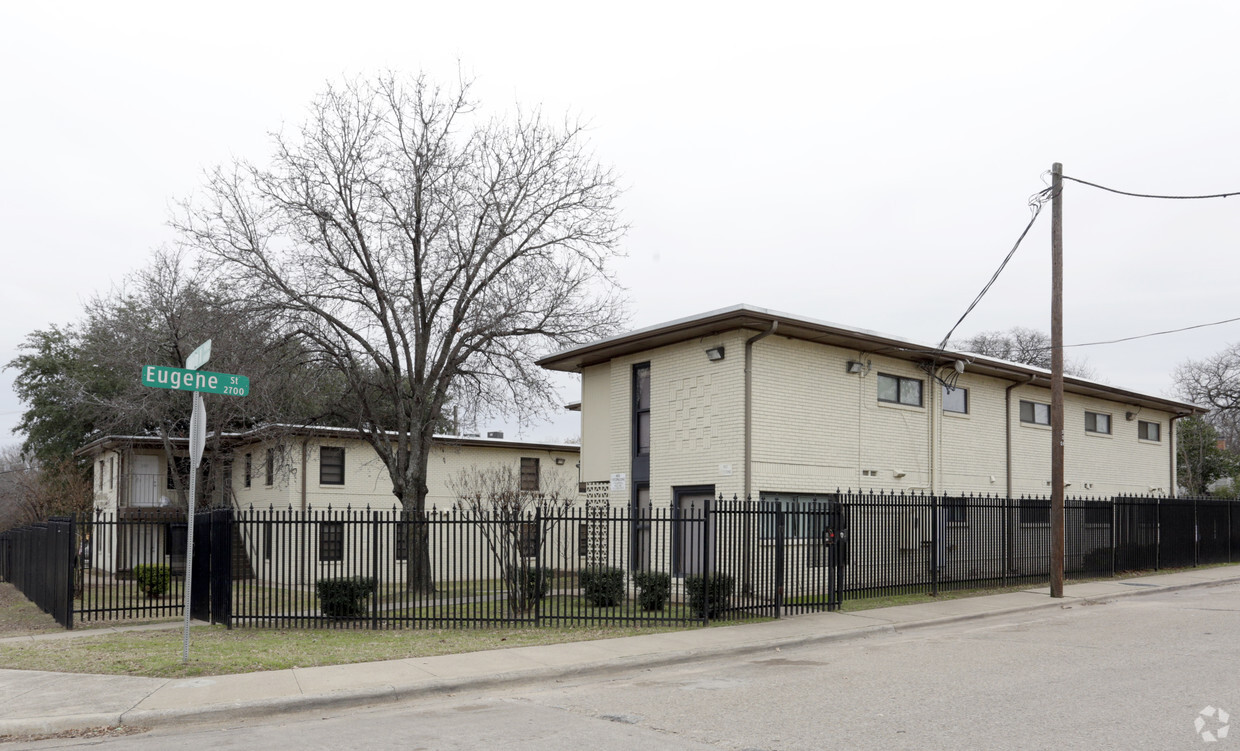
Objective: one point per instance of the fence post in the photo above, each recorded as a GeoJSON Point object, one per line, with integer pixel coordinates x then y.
{"type": "Point", "coordinates": [1114, 541]}
{"type": "Point", "coordinates": [1196, 536]}
{"type": "Point", "coordinates": [71, 554]}
{"type": "Point", "coordinates": [934, 545]}
{"type": "Point", "coordinates": [538, 567]}
{"type": "Point", "coordinates": [374, 570]}
{"type": "Point", "coordinates": [779, 558]}
{"type": "Point", "coordinates": [707, 574]}
{"type": "Point", "coordinates": [1157, 532]}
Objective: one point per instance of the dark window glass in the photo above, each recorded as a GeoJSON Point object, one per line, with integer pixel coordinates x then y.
{"type": "Point", "coordinates": [249, 469]}
{"type": "Point", "coordinates": [1098, 513]}
{"type": "Point", "coordinates": [899, 390]}
{"type": "Point", "coordinates": [529, 473]}
{"type": "Point", "coordinates": [401, 549]}
{"type": "Point", "coordinates": [1035, 412]}
{"type": "Point", "coordinates": [641, 410]}
{"type": "Point", "coordinates": [175, 539]}
{"type": "Point", "coordinates": [1035, 511]}
{"type": "Point", "coordinates": [583, 539]}
{"type": "Point", "coordinates": [271, 466]}
{"type": "Point", "coordinates": [1149, 431]}
{"type": "Point", "coordinates": [1097, 423]}
{"type": "Point", "coordinates": [527, 539]}
{"type": "Point", "coordinates": [267, 531]}
{"type": "Point", "coordinates": [331, 465]}
{"type": "Point", "coordinates": [955, 510]}
{"type": "Point", "coordinates": [331, 541]}
{"type": "Point", "coordinates": [956, 400]}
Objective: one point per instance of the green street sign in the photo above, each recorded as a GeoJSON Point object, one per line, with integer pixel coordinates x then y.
{"type": "Point", "coordinates": [182, 379]}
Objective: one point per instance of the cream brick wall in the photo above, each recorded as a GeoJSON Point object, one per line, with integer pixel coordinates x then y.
{"type": "Point", "coordinates": [817, 428]}
{"type": "Point", "coordinates": [366, 478]}
{"type": "Point", "coordinates": [596, 423]}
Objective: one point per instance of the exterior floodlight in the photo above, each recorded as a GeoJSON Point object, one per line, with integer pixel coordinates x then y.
{"type": "Point", "coordinates": [855, 367]}
{"type": "Point", "coordinates": [714, 354]}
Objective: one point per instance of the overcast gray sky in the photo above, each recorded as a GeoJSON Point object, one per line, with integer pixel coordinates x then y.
{"type": "Point", "coordinates": [863, 163]}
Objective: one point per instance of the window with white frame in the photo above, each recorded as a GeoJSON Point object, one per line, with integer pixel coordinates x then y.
{"type": "Point", "coordinates": [1035, 413]}
{"type": "Point", "coordinates": [1149, 431]}
{"type": "Point", "coordinates": [899, 390]}
{"type": "Point", "coordinates": [1096, 422]}
{"type": "Point", "coordinates": [956, 399]}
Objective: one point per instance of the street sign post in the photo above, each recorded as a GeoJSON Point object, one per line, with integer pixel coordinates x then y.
{"type": "Point", "coordinates": [190, 378]}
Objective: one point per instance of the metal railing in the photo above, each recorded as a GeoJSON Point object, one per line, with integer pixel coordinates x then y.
{"type": "Point", "coordinates": [591, 564]}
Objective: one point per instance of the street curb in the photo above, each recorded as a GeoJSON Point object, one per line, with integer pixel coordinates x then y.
{"type": "Point", "coordinates": [347, 698]}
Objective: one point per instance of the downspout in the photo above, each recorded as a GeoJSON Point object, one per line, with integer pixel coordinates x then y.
{"type": "Point", "coordinates": [1007, 406]}
{"type": "Point", "coordinates": [1173, 487]}
{"type": "Point", "coordinates": [746, 581]}
{"type": "Point", "coordinates": [1008, 526]}
{"type": "Point", "coordinates": [749, 404]}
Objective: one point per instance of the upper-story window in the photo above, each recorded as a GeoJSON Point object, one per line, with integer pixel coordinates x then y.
{"type": "Point", "coordinates": [271, 466]}
{"type": "Point", "coordinates": [641, 410]}
{"type": "Point", "coordinates": [331, 465]}
{"type": "Point", "coordinates": [249, 469]}
{"type": "Point", "coordinates": [1035, 412]}
{"type": "Point", "coordinates": [956, 400]}
{"type": "Point", "coordinates": [1149, 431]}
{"type": "Point", "coordinates": [899, 390]}
{"type": "Point", "coordinates": [1096, 422]}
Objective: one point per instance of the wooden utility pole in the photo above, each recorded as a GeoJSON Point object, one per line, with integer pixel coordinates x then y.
{"type": "Point", "coordinates": [1057, 487]}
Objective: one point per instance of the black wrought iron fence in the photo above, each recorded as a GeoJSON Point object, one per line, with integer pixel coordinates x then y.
{"type": "Point", "coordinates": [590, 564]}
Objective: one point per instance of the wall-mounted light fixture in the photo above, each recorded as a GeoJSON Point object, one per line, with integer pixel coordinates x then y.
{"type": "Point", "coordinates": [559, 460]}
{"type": "Point", "coordinates": [898, 473]}
{"type": "Point", "coordinates": [715, 354]}
{"type": "Point", "coordinates": [855, 367]}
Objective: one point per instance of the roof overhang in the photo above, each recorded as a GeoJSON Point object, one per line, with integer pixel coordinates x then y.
{"type": "Point", "coordinates": [863, 341]}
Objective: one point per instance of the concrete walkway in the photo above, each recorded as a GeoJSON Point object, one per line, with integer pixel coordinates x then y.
{"type": "Point", "coordinates": [33, 702]}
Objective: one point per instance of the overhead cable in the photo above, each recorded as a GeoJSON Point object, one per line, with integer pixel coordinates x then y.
{"type": "Point", "coordinates": [1150, 195]}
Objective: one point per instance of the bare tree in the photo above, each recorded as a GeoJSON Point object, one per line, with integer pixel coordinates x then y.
{"type": "Point", "coordinates": [32, 491]}
{"type": "Point", "coordinates": [1022, 345]}
{"type": "Point", "coordinates": [516, 525]}
{"type": "Point", "coordinates": [425, 254]}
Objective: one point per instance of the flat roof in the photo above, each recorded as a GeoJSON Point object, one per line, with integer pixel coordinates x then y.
{"type": "Point", "coordinates": [742, 316]}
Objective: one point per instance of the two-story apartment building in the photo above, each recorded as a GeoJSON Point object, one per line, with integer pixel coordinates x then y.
{"type": "Point", "coordinates": [755, 403]}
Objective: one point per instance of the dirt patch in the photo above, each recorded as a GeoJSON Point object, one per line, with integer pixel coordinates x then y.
{"type": "Point", "coordinates": [21, 617]}
{"type": "Point", "coordinates": [99, 732]}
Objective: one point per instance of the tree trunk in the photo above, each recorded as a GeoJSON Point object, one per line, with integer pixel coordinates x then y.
{"type": "Point", "coordinates": [418, 574]}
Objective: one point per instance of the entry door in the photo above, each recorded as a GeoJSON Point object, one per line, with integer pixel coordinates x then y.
{"type": "Point", "coordinates": [693, 541]}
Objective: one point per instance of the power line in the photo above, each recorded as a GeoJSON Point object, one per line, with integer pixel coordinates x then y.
{"type": "Point", "coordinates": [1036, 202]}
{"type": "Point", "coordinates": [1154, 333]}
{"type": "Point", "coordinates": [1150, 195]}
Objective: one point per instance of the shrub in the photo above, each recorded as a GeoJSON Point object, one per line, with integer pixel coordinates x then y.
{"type": "Point", "coordinates": [153, 580]}
{"type": "Point", "coordinates": [709, 596]}
{"type": "Point", "coordinates": [602, 586]}
{"type": "Point", "coordinates": [655, 588]}
{"type": "Point", "coordinates": [344, 597]}
{"type": "Point", "coordinates": [534, 583]}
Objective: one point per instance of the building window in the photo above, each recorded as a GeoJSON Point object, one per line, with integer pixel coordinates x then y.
{"type": "Point", "coordinates": [529, 473]}
{"type": "Point", "coordinates": [331, 465]}
{"type": "Point", "coordinates": [271, 466]}
{"type": "Point", "coordinates": [583, 539]}
{"type": "Point", "coordinates": [899, 390]}
{"type": "Point", "coordinates": [1035, 412]}
{"type": "Point", "coordinates": [1035, 511]}
{"type": "Point", "coordinates": [1098, 514]}
{"type": "Point", "coordinates": [101, 476]}
{"type": "Point", "coordinates": [1149, 431]}
{"type": "Point", "coordinates": [111, 472]}
{"type": "Point", "coordinates": [641, 410]}
{"type": "Point", "coordinates": [401, 548]}
{"type": "Point", "coordinates": [267, 531]}
{"type": "Point", "coordinates": [956, 399]}
{"type": "Point", "coordinates": [331, 541]}
{"type": "Point", "coordinates": [249, 469]}
{"type": "Point", "coordinates": [527, 539]}
{"type": "Point", "coordinates": [955, 510]}
{"type": "Point", "coordinates": [1096, 422]}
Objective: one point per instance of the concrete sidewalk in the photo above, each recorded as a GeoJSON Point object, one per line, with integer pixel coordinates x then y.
{"type": "Point", "coordinates": [33, 702]}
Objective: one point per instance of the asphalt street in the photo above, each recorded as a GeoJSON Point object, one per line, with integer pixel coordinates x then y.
{"type": "Point", "coordinates": [1133, 673]}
